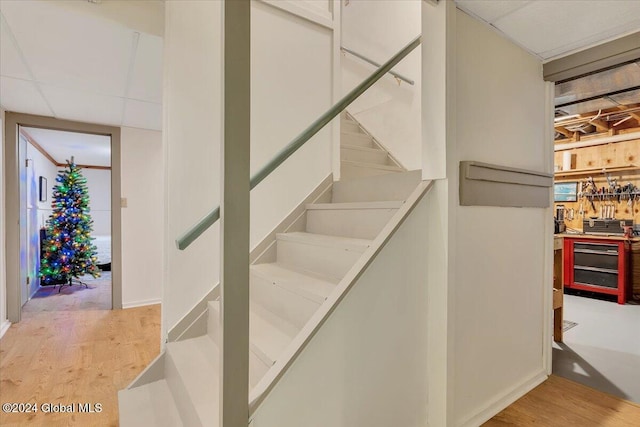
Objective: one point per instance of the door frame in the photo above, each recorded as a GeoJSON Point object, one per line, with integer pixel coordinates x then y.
{"type": "Point", "coordinates": [12, 202]}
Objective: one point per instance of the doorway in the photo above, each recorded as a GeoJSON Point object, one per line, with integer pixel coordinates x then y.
{"type": "Point", "coordinates": [19, 281]}
{"type": "Point", "coordinates": [597, 212]}
{"type": "Point", "coordinates": [49, 156]}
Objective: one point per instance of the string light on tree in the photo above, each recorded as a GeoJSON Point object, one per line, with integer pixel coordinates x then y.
{"type": "Point", "coordinates": [68, 249]}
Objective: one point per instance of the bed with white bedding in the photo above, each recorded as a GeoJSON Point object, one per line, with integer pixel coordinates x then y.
{"type": "Point", "coordinates": [103, 250]}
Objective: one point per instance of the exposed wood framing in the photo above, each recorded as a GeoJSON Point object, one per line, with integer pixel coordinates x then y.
{"type": "Point", "coordinates": [566, 132]}
{"type": "Point", "coordinates": [603, 125]}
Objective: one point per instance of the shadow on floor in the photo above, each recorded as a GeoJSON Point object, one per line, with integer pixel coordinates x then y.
{"type": "Point", "coordinates": [569, 364]}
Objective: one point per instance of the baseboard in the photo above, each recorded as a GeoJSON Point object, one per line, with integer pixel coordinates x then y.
{"type": "Point", "coordinates": [4, 327]}
{"type": "Point", "coordinates": [505, 400]}
{"type": "Point", "coordinates": [152, 373]}
{"type": "Point", "coordinates": [141, 303]}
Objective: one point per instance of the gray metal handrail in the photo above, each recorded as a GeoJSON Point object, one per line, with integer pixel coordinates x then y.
{"type": "Point", "coordinates": [375, 64]}
{"type": "Point", "coordinates": [186, 239]}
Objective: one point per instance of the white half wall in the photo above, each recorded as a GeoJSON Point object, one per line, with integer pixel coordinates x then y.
{"type": "Point", "coordinates": [388, 110]}
{"type": "Point", "coordinates": [291, 85]}
{"type": "Point", "coordinates": [142, 184]}
{"type": "Point", "coordinates": [495, 265]}
{"type": "Point", "coordinates": [367, 364]}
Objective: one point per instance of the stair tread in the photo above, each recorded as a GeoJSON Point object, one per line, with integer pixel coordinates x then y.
{"type": "Point", "coordinates": [266, 336]}
{"type": "Point", "coordinates": [306, 284]}
{"type": "Point", "coordinates": [390, 204]}
{"type": "Point", "coordinates": [148, 405]}
{"type": "Point", "coordinates": [258, 366]}
{"type": "Point", "coordinates": [374, 150]}
{"type": "Point", "coordinates": [372, 166]}
{"type": "Point", "coordinates": [197, 361]}
{"type": "Point", "coordinates": [356, 134]}
{"type": "Point", "coordinates": [325, 240]}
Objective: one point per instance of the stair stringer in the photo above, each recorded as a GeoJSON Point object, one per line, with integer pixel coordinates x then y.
{"type": "Point", "coordinates": [194, 323]}
{"type": "Point", "coordinates": [284, 367]}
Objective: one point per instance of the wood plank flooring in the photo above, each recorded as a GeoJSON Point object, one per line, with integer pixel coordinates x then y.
{"type": "Point", "coordinates": [559, 402]}
{"type": "Point", "coordinates": [70, 357]}
{"type": "Point", "coordinates": [87, 356]}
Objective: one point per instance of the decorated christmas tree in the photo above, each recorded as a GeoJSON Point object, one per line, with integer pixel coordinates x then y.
{"type": "Point", "coordinates": [68, 250]}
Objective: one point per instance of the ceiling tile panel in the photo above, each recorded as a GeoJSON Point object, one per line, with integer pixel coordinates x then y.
{"type": "Point", "coordinates": [146, 81]}
{"type": "Point", "coordinates": [68, 49]}
{"type": "Point", "coordinates": [490, 10]}
{"type": "Point", "coordinates": [11, 64]}
{"type": "Point", "coordinates": [21, 96]}
{"type": "Point", "coordinates": [84, 106]}
{"type": "Point", "coordinates": [553, 28]}
{"type": "Point", "coordinates": [144, 115]}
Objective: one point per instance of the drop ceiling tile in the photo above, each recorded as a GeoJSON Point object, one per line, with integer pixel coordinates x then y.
{"type": "Point", "coordinates": [553, 28]}
{"type": "Point", "coordinates": [21, 96]}
{"type": "Point", "coordinates": [71, 49]}
{"type": "Point", "coordinates": [84, 106]}
{"type": "Point", "coordinates": [11, 64]}
{"type": "Point", "coordinates": [145, 115]}
{"type": "Point", "coordinates": [490, 10]}
{"type": "Point", "coordinates": [146, 81]}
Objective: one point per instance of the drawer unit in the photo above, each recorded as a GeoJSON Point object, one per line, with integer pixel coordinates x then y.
{"type": "Point", "coordinates": [596, 265]}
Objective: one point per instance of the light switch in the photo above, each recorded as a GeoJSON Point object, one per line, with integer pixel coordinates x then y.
{"type": "Point", "coordinates": [123, 202]}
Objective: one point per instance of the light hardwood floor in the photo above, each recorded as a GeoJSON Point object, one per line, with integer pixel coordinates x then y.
{"type": "Point", "coordinates": [87, 356]}
{"type": "Point", "coordinates": [559, 402]}
{"type": "Point", "coordinates": [70, 357]}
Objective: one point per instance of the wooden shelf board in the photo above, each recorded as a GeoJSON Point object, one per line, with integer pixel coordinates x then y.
{"type": "Point", "coordinates": [593, 171]}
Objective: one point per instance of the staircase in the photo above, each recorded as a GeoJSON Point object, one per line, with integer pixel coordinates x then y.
{"type": "Point", "coordinates": [308, 262]}
{"type": "Point", "coordinates": [361, 154]}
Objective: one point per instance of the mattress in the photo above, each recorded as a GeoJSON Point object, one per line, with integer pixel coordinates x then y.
{"type": "Point", "coordinates": [103, 249]}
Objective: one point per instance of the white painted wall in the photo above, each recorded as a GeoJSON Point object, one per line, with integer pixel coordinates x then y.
{"type": "Point", "coordinates": [367, 365]}
{"type": "Point", "coordinates": [99, 189]}
{"type": "Point", "coordinates": [390, 112]}
{"type": "Point", "coordinates": [37, 212]}
{"type": "Point", "coordinates": [291, 85]}
{"type": "Point", "coordinates": [142, 184]}
{"type": "Point", "coordinates": [4, 323]}
{"type": "Point", "coordinates": [191, 137]}
{"type": "Point", "coordinates": [500, 252]}
{"type": "Point", "coordinates": [490, 279]}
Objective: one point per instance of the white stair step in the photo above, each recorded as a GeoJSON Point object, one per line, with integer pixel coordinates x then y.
{"type": "Point", "coordinates": [349, 125]}
{"type": "Point", "coordinates": [192, 372]}
{"type": "Point", "coordinates": [353, 170]}
{"type": "Point", "coordinates": [291, 306]}
{"type": "Point", "coordinates": [259, 360]}
{"type": "Point", "coordinates": [269, 335]}
{"type": "Point", "coordinates": [356, 139]}
{"type": "Point", "coordinates": [396, 186]}
{"type": "Point", "coordinates": [148, 405]}
{"type": "Point", "coordinates": [364, 154]}
{"type": "Point", "coordinates": [329, 256]}
{"type": "Point", "coordinates": [362, 220]}
{"type": "Point", "coordinates": [312, 287]}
